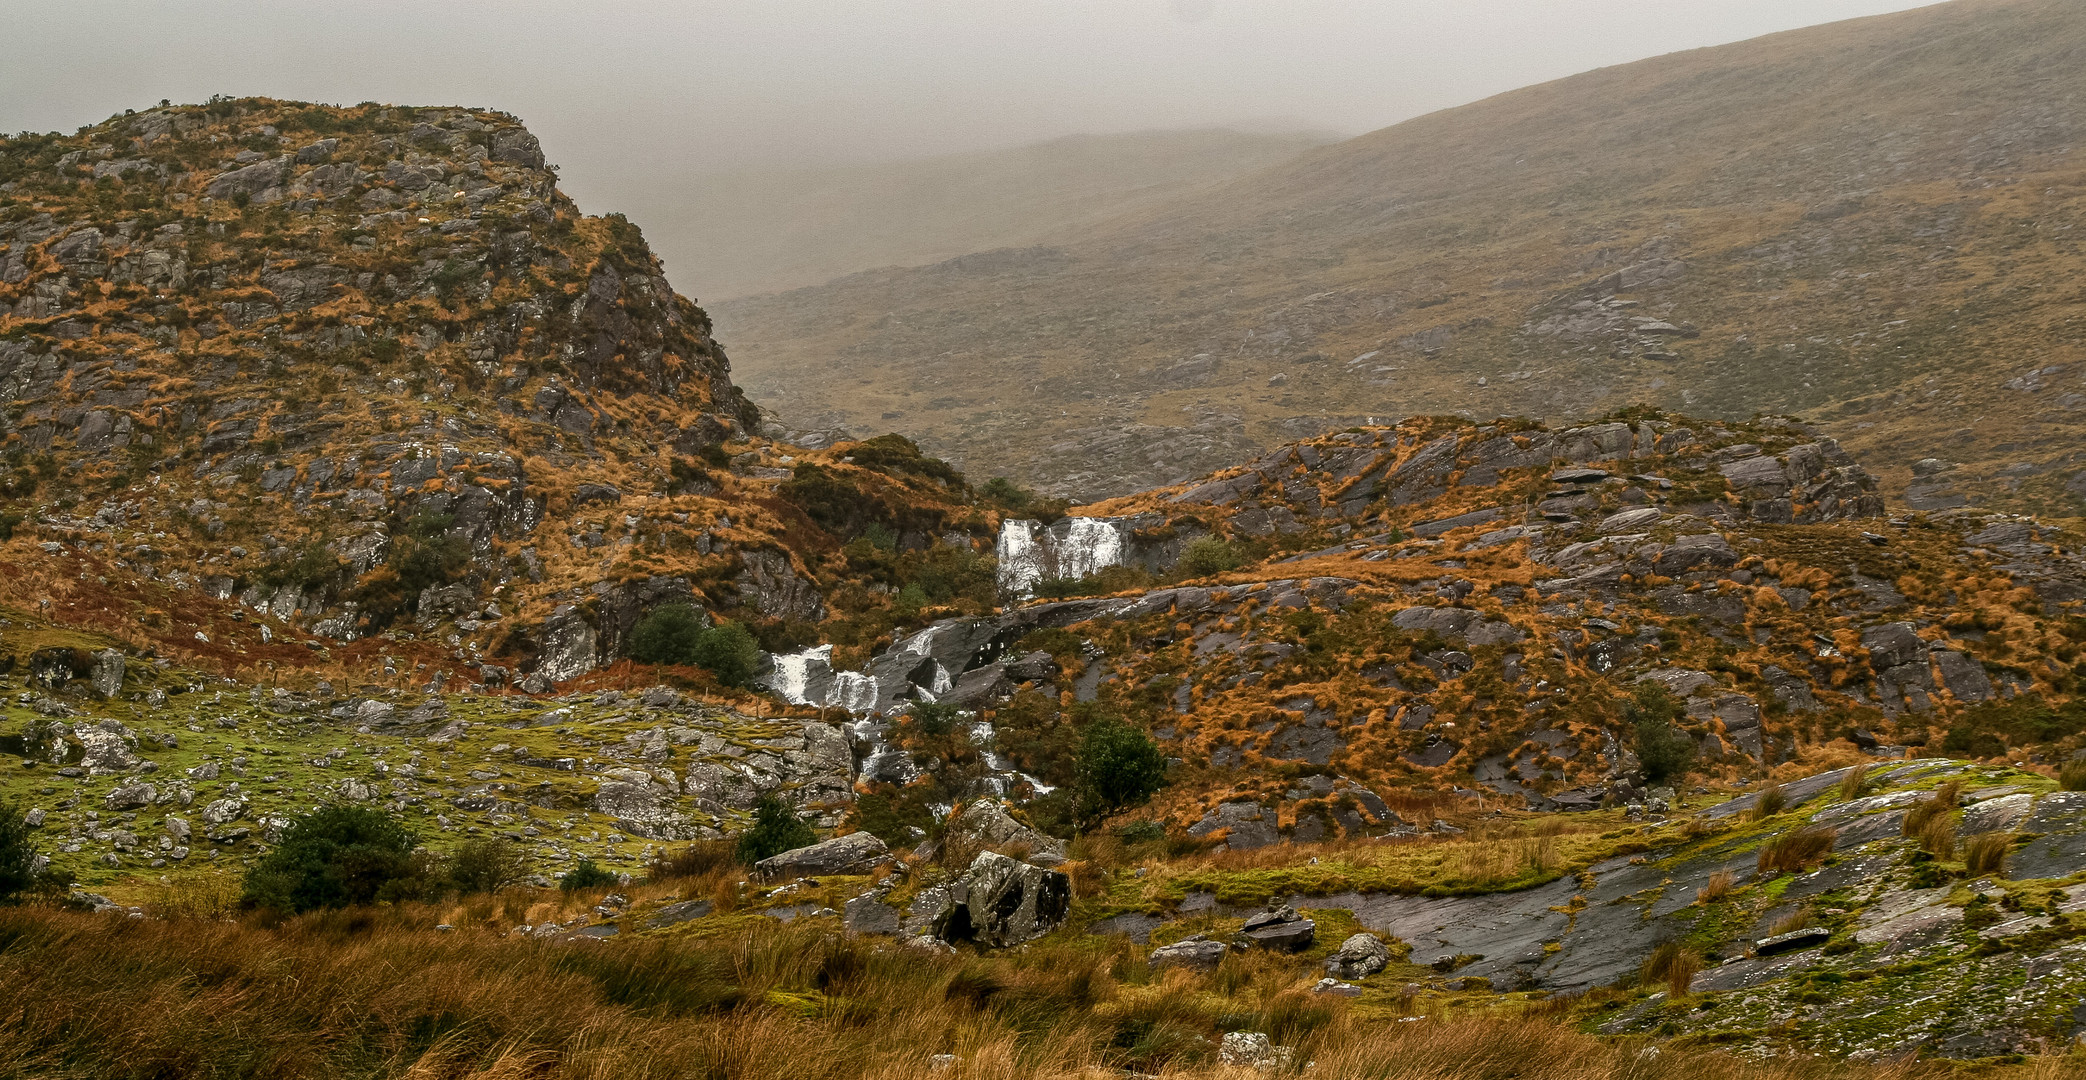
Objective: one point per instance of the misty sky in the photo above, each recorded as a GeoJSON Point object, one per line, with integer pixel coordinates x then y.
{"type": "Point", "coordinates": [620, 91]}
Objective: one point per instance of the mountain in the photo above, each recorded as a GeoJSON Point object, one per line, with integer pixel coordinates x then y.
{"type": "Point", "coordinates": [1865, 224]}
{"type": "Point", "coordinates": [733, 234]}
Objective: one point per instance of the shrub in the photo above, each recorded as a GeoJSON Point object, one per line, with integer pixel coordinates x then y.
{"type": "Point", "coordinates": [730, 652]}
{"type": "Point", "coordinates": [487, 866]}
{"type": "Point", "coordinates": [1118, 766]}
{"type": "Point", "coordinates": [334, 857]}
{"type": "Point", "coordinates": [776, 829]}
{"type": "Point", "coordinates": [667, 635]}
{"type": "Point", "coordinates": [1797, 850]}
{"type": "Point", "coordinates": [675, 634]}
{"type": "Point", "coordinates": [19, 870]}
{"type": "Point", "coordinates": [586, 875]}
{"type": "Point", "coordinates": [9, 522]}
{"type": "Point", "coordinates": [1985, 854]}
{"type": "Point", "coordinates": [1664, 750]}
{"type": "Point", "coordinates": [1208, 555]}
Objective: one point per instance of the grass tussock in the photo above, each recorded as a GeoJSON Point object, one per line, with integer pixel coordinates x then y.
{"type": "Point", "coordinates": [1854, 783]}
{"type": "Point", "coordinates": [1932, 822]}
{"type": "Point", "coordinates": [2072, 777]}
{"type": "Point", "coordinates": [1985, 854]}
{"type": "Point", "coordinates": [1773, 800]}
{"type": "Point", "coordinates": [1719, 887]}
{"type": "Point", "coordinates": [382, 994]}
{"type": "Point", "coordinates": [1797, 850]}
{"type": "Point", "coordinates": [1674, 964]}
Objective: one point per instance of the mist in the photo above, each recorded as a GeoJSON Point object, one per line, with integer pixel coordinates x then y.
{"type": "Point", "coordinates": [628, 97]}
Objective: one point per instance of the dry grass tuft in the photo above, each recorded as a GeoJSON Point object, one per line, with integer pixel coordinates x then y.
{"type": "Point", "coordinates": [1674, 964]}
{"type": "Point", "coordinates": [1792, 922]}
{"type": "Point", "coordinates": [1797, 850]}
{"type": "Point", "coordinates": [1985, 854]}
{"type": "Point", "coordinates": [1931, 821]}
{"type": "Point", "coordinates": [1854, 783]}
{"type": "Point", "coordinates": [1773, 800]}
{"type": "Point", "coordinates": [1719, 886]}
{"type": "Point", "coordinates": [2072, 777]}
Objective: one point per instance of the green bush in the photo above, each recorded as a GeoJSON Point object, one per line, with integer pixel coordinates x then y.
{"type": "Point", "coordinates": [675, 634]}
{"type": "Point", "coordinates": [585, 876]}
{"type": "Point", "coordinates": [487, 866]}
{"type": "Point", "coordinates": [1663, 749]}
{"type": "Point", "coordinates": [776, 829]}
{"type": "Point", "coordinates": [1206, 555]}
{"type": "Point", "coordinates": [9, 522]}
{"type": "Point", "coordinates": [1118, 766]}
{"type": "Point", "coordinates": [337, 856]}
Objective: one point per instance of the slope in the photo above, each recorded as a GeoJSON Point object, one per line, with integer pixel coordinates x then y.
{"type": "Point", "coordinates": [732, 234]}
{"type": "Point", "coordinates": [1865, 223]}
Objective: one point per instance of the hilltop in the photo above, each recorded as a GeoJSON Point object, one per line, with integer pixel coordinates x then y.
{"type": "Point", "coordinates": [1864, 224]}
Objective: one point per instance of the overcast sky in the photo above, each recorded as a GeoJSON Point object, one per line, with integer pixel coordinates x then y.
{"type": "Point", "coordinates": [617, 90]}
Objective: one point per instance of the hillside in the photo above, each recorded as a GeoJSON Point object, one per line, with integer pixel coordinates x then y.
{"type": "Point", "coordinates": [347, 464]}
{"type": "Point", "coordinates": [739, 233]}
{"type": "Point", "coordinates": [1865, 224]}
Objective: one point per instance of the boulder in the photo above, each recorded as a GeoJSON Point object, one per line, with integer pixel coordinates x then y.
{"type": "Point", "coordinates": [1281, 929]}
{"type": "Point", "coordinates": [131, 796]}
{"type": "Point", "coordinates": [855, 853]}
{"type": "Point", "coordinates": [1359, 957]}
{"type": "Point", "coordinates": [1195, 953]}
{"type": "Point", "coordinates": [869, 914]}
{"type": "Point", "coordinates": [107, 674]}
{"type": "Point", "coordinates": [999, 903]}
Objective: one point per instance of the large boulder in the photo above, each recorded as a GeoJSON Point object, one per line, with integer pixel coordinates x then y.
{"type": "Point", "coordinates": [1281, 930]}
{"type": "Point", "coordinates": [855, 853]}
{"type": "Point", "coordinates": [1000, 902]}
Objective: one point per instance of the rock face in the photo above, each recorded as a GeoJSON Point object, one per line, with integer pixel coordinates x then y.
{"type": "Point", "coordinates": [855, 853]}
{"type": "Point", "coordinates": [998, 903]}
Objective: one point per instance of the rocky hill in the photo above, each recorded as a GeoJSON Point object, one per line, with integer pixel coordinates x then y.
{"type": "Point", "coordinates": [1864, 224]}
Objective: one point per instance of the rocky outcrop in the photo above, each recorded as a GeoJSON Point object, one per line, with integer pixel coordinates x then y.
{"type": "Point", "coordinates": [1359, 957]}
{"type": "Point", "coordinates": [986, 825]}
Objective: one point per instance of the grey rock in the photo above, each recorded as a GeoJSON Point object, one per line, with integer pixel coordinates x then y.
{"type": "Point", "coordinates": [869, 914]}
{"type": "Point", "coordinates": [985, 824]}
{"type": "Point", "coordinates": [107, 675]}
{"type": "Point", "coordinates": [1359, 957]}
{"type": "Point", "coordinates": [131, 796]}
{"type": "Point", "coordinates": [855, 853]}
{"type": "Point", "coordinates": [1195, 953]}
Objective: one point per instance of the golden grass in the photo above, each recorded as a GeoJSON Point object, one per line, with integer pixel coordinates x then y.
{"type": "Point", "coordinates": [1674, 964]}
{"type": "Point", "coordinates": [1854, 783]}
{"type": "Point", "coordinates": [381, 994]}
{"type": "Point", "coordinates": [1719, 886]}
{"type": "Point", "coordinates": [1985, 854]}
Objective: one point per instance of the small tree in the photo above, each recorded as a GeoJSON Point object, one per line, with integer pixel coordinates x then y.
{"type": "Point", "coordinates": [337, 856]}
{"type": "Point", "coordinates": [1118, 766]}
{"type": "Point", "coordinates": [776, 829]}
{"type": "Point", "coordinates": [487, 866]}
{"type": "Point", "coordinates": [1663, 749]}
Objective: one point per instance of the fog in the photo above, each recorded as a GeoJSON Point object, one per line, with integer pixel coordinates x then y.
{"type": "Point", "coordinates": [624, 94]}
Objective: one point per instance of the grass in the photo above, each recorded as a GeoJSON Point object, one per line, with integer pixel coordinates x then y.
{"type": "Point", "coordinates": [1931, 821]}
{"type": "Point", "coordinates": [1985, 854]}
{"type": "Point", "coordinates": [2072, 777]}
{"type": "Point", "coordinates": [384, 994]}
{"type": "Point", "coordinates": [1797, 850]}
{"type": "Point", "coordinates": [1674, 964]}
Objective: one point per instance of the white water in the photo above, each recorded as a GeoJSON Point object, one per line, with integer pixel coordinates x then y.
{"type": "Point", "coordinates": [1029, 552]}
